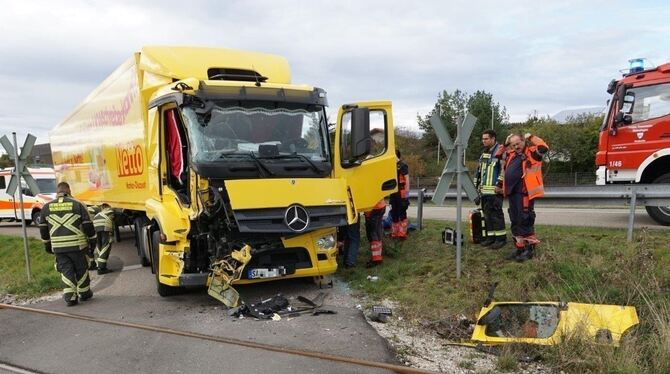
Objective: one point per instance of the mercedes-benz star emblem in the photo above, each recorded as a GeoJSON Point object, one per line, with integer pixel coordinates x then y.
{"type": "Point", "coordinates": [296, 218]}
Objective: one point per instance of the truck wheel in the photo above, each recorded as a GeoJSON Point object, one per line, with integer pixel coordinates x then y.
{"type": "Point", "coordinates": [660, 214]}
{"type": "Point", "coordinates": [36, 217]}
{"type": "Point", "coordinates": [163, 289]}
{"type": "Point", "coordinates": [139, 223]}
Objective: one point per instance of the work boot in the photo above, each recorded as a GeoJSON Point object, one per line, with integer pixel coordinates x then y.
{"type": "Point", "coordinates": [72, 302]}
{"type": "Point", "coordinates": [102, 271]}
{"type": "Point", "coordinates": [86, 295]}
{"type": "Point", "coordinates": [526, 254]}
{"type": "Point", "coordinates": [488, 241]}
{"type": "Point", "coordinates": [372, 264]}
{"type": "Point", "coordinates": [500, 242]}
{"type": "Point", "coordinates": [513, 256]}
{"type": "Point", "coordinates": [92, 265]}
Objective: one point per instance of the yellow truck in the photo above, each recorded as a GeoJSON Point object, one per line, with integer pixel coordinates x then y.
{"type": "Point", "coordinates": [228, 172]}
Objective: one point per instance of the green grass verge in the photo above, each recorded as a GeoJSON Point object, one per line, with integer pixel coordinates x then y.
{"type": "Point", "coordinates": [13, 278]}
{"type": "Point", "coordinates": [589, 265]}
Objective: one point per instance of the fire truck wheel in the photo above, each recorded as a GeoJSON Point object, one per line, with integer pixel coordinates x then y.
{"type": "Point", "coordinates": [660, 214]}
{"type": "Point", "coordinates": [163, 289]}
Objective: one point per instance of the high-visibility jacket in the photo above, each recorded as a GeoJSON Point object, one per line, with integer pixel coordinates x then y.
{"type": "Point", "coordinates": [489, 170]}
{"type": "Point", "coordinates": [103, 221]}
{"type": "Point", "coordinates": [403, 180]}
{"type": "Point", "coordinates": [531, 166]}
{"type": "Point", "coordinates": [66, 225]}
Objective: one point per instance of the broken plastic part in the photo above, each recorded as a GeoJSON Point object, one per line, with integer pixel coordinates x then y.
{"type": "Point", "coordinates": [224, 273]}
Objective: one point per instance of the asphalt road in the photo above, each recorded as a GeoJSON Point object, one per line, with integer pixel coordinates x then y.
{"type": "Point", "coordinates": [60, 345]}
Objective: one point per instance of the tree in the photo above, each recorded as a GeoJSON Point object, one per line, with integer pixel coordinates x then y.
{"type": "Point", "coordinates": [451, 107]}
{"type": "Point", "coordinates": [482, 106]}
{"type": "Point", "coordinates": [5, 161]}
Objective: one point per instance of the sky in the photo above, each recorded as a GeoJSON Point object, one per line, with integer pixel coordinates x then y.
{"type": "Point", "coordinates": [533, 56]}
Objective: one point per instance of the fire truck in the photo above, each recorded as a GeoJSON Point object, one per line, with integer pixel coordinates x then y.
{"type": "Point", "coordinates": [634, 142]}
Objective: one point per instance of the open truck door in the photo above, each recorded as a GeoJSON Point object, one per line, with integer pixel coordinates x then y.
{"type": "Point", "coordinates": [365, 153]}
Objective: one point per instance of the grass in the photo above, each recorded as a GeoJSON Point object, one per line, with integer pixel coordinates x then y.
{"type": "Point", "coordinates": [13, 278]}
{"type": "Point", "coordinates": [589, 265]}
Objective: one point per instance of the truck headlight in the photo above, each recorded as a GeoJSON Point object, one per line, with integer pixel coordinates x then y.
{"type": "Point", "coordinates": [326, 242]}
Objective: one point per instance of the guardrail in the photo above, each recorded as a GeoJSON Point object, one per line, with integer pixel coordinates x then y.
{"type": "Point", "coordinates": [611, 195]}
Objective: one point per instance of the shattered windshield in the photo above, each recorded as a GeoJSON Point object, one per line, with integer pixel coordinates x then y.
{"type": "Point", "coordinates": [523, 321]}
{"type": "Point", "coordinates": [258, 131]}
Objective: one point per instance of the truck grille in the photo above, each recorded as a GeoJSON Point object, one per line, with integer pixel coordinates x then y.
{"type": "Point", "coordinates": [272, 220]}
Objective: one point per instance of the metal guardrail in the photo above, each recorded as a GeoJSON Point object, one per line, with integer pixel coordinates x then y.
{"type": "Point", "coordinates": [610, 195]}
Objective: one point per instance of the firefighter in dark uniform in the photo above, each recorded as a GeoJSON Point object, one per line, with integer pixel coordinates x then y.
{"type": "Point", "coordinates": [67, 232]}
{"type": "Point", "coordinates": [489, 174]}
{"type": "Point", "coordinates": [90, 254]}
{"type": "Point", "coordinates": [399, 201]}
{"type": "Point", "coordinates": [104, 226]}
{"type": "Point", "coordinates": [522, 185]}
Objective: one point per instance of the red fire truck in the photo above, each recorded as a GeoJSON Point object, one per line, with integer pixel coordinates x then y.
{"type": "Point", "coordinates": [634, 142]}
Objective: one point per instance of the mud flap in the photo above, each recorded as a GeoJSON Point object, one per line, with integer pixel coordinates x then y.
{"type": "Point", "coordinates": [226, 271]}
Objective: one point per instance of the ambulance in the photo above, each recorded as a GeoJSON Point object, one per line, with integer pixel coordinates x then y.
{"type": "Point", "coordinates": [33, 201]}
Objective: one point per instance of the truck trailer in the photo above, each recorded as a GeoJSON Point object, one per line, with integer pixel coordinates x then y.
{"type": "Point", "coordinates": [227, 171]}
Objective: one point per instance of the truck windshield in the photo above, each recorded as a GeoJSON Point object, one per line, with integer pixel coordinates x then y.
{"type": "Point", "coordinates": [292, 134]}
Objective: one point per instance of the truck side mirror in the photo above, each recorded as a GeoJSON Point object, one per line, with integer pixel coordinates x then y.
{"type": "Point", "coordinates": [360, 132]}
{"type": "Point", "coordinates": [623, 118]}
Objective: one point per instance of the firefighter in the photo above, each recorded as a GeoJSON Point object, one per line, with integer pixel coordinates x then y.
{"type": "Point", "coordinates": [90, 254]}
{"type": "Point", "coordinates": [104, 227]}
{"type": "Point", "coordinates": [67, 232]}
{"type": "Point", "coordinates": [399, 201]}
{"type": "Point", "coordinates": [488, 175]}
{"type": "Point", "coordinates": [522, 185]}
{"type": "Point", "coordinates": [374, 230]}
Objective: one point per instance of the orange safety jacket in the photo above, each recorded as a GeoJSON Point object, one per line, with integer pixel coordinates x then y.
{"type": "Point", "coordinates": [532, 166]}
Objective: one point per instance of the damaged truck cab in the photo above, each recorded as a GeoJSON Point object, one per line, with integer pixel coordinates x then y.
{"type": "Point", "coordinates": [225, 169]}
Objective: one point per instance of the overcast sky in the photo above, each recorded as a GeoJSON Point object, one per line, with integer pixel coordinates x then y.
{"type": "Point", "coordinates": [542, 56]}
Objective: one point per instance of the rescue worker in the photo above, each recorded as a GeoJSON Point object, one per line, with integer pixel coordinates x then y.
{"type": "Point", "coordinates": [104, 227]}
{"type": "Point", "coordinates": [67, 232]}
{"type": "Point", "coordinates": [374, 229]}
{"type": "Point", "coordinates": [522, 185]}
{"type": "Point", "coordinates": [488, 175]}
{"type": "Point", "coordinates": [349, 241]}
{"type": "Point", "coordinates": [90, 254]}
{"type": "Point", "coordinates": [399, 201]}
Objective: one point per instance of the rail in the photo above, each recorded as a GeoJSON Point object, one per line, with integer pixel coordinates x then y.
{"type": "Point", "coordinates": [632, 195]}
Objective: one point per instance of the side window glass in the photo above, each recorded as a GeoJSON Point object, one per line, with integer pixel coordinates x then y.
{"type": "Point", "coordinates": [377, 132]}
{"type": "Point", "coordinates": [649, 102]}
{"type": "Point", "coordinates": [2, 182]}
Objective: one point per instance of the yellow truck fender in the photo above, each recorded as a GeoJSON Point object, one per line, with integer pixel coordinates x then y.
{"type": "Point", "coordinates": [173, 224]}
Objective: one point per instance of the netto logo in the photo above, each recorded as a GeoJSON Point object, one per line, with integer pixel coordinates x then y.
{"type": "Point", "coordinates": [296, 218]}
{"type": "Point", "coordinates": [129, 161]}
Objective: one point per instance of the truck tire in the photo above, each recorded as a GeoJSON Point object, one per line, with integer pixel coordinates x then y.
{"type": "Point", "coordinates": [163, 289]}
{"type": "Point", "coordinates": [660, 214]}
{"type": "Point", "coordinates": [139, 224]}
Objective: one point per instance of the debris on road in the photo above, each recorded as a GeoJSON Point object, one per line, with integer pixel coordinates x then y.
{"type": "Point", "coordinates": [278, 306]}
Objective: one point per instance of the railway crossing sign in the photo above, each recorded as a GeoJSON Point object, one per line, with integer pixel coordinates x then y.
{"type": "Point", "coordinates": [450, 168]}
{"type": "Point", "coordinates": [20, 171]}
{"type": "Point", "coordinates": [20, 163]}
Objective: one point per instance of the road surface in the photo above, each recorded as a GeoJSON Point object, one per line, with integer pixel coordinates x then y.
{"type": "Point", "coordinates": [59, 345]}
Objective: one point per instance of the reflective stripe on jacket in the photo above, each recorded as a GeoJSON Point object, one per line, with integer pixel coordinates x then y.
{"type": "Point", "coordinates": [531, 166]}
{"type": "Point", "coordinates": [66, 225]}
{"type": "Point", "coordinates": [489, 170]}
{"type": "Point", "coordinates": [103, 221]}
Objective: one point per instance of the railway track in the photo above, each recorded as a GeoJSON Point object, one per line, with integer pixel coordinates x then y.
{"type": "Point", "coordinates": [217, 339]}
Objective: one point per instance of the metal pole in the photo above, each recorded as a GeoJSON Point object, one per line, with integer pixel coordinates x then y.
{"type": "Point", "coordinates": [17, 171]}
{"type": "Point", "coordinates": [419, 211]}
{"type": "Point", "coordinates": [459, 198]}
{"type": "Point", "coordinates": [631, 216]}
{"type": "Point", "coordinates": [439, 144]}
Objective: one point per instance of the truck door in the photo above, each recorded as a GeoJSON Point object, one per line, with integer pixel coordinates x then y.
{"type": "Point", "coordinates": [365, 152]}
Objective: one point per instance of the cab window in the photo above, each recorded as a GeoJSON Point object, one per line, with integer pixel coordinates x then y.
{"type": "Point", "coordinates": [649, 102]}
{"type": "Point", "coordinates": [378, 135]}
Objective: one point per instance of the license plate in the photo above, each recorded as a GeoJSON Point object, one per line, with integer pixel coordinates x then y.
{"type": "Point", "coordinates": [259, 273]}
